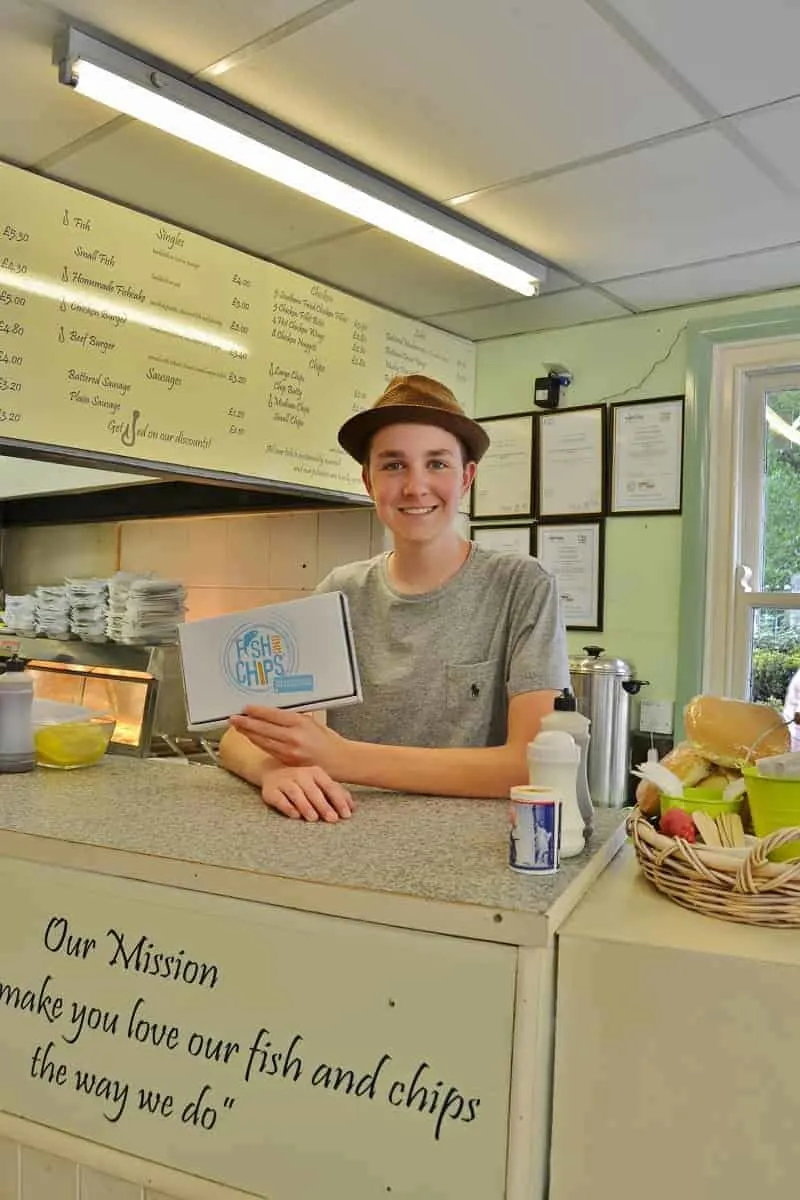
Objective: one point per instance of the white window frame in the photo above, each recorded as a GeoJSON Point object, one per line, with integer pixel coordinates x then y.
{"type": "Point", "coordinates": [735, 507]}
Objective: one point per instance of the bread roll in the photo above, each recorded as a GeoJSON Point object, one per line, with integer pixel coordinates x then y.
{"type": "Point", "coordinates": [726, 731]}
{"type": "Point", "coordinates": [718, 780]}
{"type": "Point", "coordinates": [685, 762]}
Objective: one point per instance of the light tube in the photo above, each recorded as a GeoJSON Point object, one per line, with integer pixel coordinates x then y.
{"type": "Point", "coordinates": [146, 104]}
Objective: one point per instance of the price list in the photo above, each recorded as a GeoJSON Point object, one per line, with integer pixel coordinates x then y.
{"type": "Point", "coordinates": [128, 337]}
{"type": "Point", "coordinates": [12, 327]}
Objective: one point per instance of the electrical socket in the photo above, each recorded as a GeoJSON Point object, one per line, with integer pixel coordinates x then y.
{"type": "Point", "coordinates": [656, 716]}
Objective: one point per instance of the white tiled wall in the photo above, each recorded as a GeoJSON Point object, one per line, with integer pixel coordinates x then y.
{"type": "Point", "coordinates": [294, 549]}
{"type": "Point", "coordinates": [342, 538]}
{"type": "Point", "coordinates": [97, 1185]}
{"type": "Point", "coordinates": [45, 553]}
{"type": "Point", "coordinates": [8, 1169]}
{"type": "Point", "coordinates": [45, 1177]}
{"type": "Point", "coordinates": [32, 1174]}
{"type": "Point", "coordinates": [37, 1163]}
{"type": "Point", "coordinates": [227, 563]}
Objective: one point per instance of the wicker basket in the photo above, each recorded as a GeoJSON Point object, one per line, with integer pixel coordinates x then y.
{"type": "Point", "coordinates": [740, 886]}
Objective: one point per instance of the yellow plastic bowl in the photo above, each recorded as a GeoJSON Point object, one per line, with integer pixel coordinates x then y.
{"type": "Point", "coordinates": [774, 804]}
{"type": "Point", "coordinates": [73, 744]}
{"type": "Point", "coordinates": [697, 799]}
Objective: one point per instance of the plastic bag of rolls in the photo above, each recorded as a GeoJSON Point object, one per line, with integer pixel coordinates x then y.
{"type": "Point", "coordinates": [722, 736]}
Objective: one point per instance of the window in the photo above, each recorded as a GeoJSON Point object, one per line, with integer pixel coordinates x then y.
{"type": "Point", "coordinates": [752, 620]}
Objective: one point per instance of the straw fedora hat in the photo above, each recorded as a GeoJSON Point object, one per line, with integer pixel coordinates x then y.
{"type": "Point", "coordinates": [416, 399]}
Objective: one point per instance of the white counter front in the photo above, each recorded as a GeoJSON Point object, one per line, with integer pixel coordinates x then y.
{"type": "Point", "coordinates": [218, 998]}
{"type": "Point", "coordinates": [677, 1067]}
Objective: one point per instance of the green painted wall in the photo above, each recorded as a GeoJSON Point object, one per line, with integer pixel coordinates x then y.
{"type": "Point", "coordinates": [627, 358]}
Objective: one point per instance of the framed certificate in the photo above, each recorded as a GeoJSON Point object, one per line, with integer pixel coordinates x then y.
{"type": "Point", "coordinates": [646, 456]}
{"type": "Point", "coordinates": [510, 539]}
{"type": "Point", "coordinates": [571, 462]}
{"type": "Point", "coordinates": [503, 485]}
{"type": "Point", "coordinates": [574, 552]}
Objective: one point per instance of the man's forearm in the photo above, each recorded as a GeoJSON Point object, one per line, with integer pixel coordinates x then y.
{"type": "Point", "coordinates": [240, 756]}
{"type": "Point", "coordinates": [486, 772]}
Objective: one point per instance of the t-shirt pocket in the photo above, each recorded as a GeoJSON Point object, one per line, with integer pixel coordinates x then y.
{"type": "Point", "coordinates": [469, 686]}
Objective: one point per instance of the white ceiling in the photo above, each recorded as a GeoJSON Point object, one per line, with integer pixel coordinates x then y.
{"type": "Point", "coordinates": [646, 148]}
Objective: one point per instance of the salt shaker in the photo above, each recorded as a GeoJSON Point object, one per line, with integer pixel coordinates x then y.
{"type": "Point", "coordinates": [16, 720]}
{"type": "Point", "coordinates": [553, 759]}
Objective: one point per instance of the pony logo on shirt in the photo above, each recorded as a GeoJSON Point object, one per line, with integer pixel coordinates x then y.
{"type": "Point", "coordinates": [260, 659]}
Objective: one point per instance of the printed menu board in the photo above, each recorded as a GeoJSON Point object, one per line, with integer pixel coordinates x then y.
{"type": "Point", "coordinates": [133, 339]}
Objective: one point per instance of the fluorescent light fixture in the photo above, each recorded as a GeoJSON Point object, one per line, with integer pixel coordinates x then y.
{"type": "Point", "coordinates": [129, 85]}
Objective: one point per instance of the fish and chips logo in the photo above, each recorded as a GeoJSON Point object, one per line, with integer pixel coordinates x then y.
{"type": "Point", "coordinates": [261, 659]}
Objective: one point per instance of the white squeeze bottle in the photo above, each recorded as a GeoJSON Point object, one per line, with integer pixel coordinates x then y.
{"type": "Point", "coordinates": [16, 724]}
{"type": "Point", "coordinates": [553, 759]}
{"type": "Point", "coordinates": [565, 716]}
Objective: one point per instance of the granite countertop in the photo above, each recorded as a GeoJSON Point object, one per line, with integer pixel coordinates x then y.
{"type": "Point", "coordinates": [443, 851]}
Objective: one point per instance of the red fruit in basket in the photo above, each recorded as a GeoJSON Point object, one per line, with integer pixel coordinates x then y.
{"type": "Point", "coordinates": [677, 823]}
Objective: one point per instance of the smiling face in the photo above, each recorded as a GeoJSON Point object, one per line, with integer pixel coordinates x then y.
{"type": "Point", "coordinates": [416, 475]}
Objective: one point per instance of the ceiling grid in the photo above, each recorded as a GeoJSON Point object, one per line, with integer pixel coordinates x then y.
{"type": "Point", "coordinates": [647, 152]}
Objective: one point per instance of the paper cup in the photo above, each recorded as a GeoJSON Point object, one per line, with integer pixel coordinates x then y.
{"type": "Point", "coordinates": [535, 835]}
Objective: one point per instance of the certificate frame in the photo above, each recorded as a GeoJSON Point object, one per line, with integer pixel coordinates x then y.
{"type": "Point", "coordinates": [588, 616]}
{"type": "Point", "coordinates": [623, 485]}
{"type": "Point", "coordinates": [512, 496]}
{"type": "Point", "coordinates": [511, 538]}
{"type": "Point", "coordinates": [590, 479]}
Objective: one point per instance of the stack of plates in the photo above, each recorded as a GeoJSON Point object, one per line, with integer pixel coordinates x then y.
{"type": "Point", "coordinates": [52, 612]}
{"type": "Point", "coordinates": [88, 608]}
{"type": "Point", "coordinates": [20, 615]}
{"type": "Point", "coordinates": [143, 610]}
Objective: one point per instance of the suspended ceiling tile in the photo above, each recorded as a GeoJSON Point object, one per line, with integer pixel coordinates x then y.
{"type": "Point", "coordinates": [394, 273]}
{"type": "Point", "coordinates": [691, 198]}
{"type": "Point", "coordinates": [149, 170]}
{"type": "Point", "coordinates": [189, 33]}
{"type": "Point", "coordinates": [449, 97]}
{"type": "Point", "coordinates": [574, 307]}
{"type": "Point", "coordinates": [775, 133]}
{"type": "Point", "coordinates": [737, 54]}
{"type": "Point", "coordinates": [762, 272]}
{"type": "Point", "coordinates": [37, 114]}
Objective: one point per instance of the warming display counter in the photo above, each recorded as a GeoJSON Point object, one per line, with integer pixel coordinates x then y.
{"type": "Point", "coordinates": [140, 686]}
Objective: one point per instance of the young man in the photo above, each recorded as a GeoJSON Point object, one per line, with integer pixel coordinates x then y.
{"type": "Point", "coordinates": [460, 649]}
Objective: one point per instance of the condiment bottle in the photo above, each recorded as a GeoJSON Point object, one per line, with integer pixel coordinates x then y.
{"type": "Point", "coordinates": [553, 759]}
{"type": "Point", "coordinates": [565, 716]}
{"type": "Point", "coordinates": [16, 722]}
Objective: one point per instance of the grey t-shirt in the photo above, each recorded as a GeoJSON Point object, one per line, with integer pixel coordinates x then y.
{"type": "Point", "coordinates": [438, 669]}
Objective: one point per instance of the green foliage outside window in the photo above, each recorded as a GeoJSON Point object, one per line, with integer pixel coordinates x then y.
{"type": "Point", "coordinates": [774, 667]}
{"type": "Point", "coordinates": [776, 641]}
{"type": "Point", "coordinates": [782, 498]}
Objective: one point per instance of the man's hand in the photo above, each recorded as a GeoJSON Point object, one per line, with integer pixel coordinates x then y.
{"type": "Point", "coordinates": [295, 739]}
{"type": "Point", "coordinates": [306, 793]}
